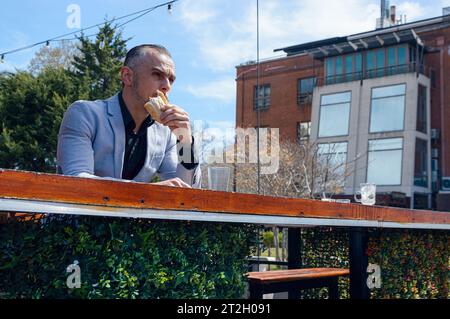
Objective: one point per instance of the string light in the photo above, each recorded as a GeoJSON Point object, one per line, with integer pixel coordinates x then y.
{"type": "Point", "coordinates": [169, 8]}
{"type": "Point", "coordinates": [2, 58]}
{"type": "Point", "coordinates": [47, 44]}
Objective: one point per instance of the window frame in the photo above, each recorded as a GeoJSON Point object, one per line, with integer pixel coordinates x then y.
{"type": "Point", "coordinates": [427, 158]}
{"type": "Point", "coordinates": [334, 154]}
{"type": "Point", "coordinates": [349, 113]}
{"type": "Point", "coordinates": [424, 89]}
{"type": "Point", "coordinates": [304, 98]}
{"type": "Point", "coordinates": [266, 99]}
{"type": "Point", "coordinates": [390, 96]}
{"type": "Point", "coordinates": [303, 138]}
{"type": "Point", "coordinates": [393, 149]}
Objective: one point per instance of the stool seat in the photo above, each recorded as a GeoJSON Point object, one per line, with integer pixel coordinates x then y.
{"type": "Point", "coordinates": [291, 279]}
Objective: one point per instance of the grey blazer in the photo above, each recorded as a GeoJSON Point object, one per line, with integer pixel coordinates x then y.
{"type": "Point", "coordinates": [91, 143]}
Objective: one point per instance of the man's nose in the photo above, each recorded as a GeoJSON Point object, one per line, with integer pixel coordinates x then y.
{"type": "Point", "coordinates": [165, 85]}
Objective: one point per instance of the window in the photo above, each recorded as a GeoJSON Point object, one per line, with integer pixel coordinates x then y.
{"type": "Point", "coordinates": [343, 68]}
{"type": "Point", "coordinates": [305, 89]}
{"type": "Point", "coordinates": [391, 59]}
{"type": "Point", "coordinates": [334, 157]}
{"type": "Point", "coordinates": [421, 163]}
{"type": "Point", "coordinates": [421, 123]}
{"type": "Point", "coordinates": [401, 55]}
{"type": "Point", "coordinates": [380, 62]}
{"type": "Point", "coordinates": [377, 63]}
{"type": "Point", "coordinates": [303, 131]}
{"type": "Point", "coordinates": [434, 174]}
{"type": "Point", "coordinates": [261, 97]}
{"type": "Point", "coordinates": [387, 109]}
{"type": "Point", "coordinates": [339, 69]}
{"type": "Point", "coordinates": [358, 66]}
{"type": "Point", "coordinates": [384, 162]}
{"type": "Point", "coordinates": [329, 69]}
{"type": "Point", "coordinates": [349, 67]}
{"type": "Point", "coordinates": [334, 114]}
{"type": "Point", "coordinates": [370, 64]}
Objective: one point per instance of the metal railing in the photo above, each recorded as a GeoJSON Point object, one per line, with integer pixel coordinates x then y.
{"type": "Point", "coordinates": [374, 73]}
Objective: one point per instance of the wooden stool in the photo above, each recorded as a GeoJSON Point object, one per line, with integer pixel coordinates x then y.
{"type": "Point", "coordinates": [295, 279]}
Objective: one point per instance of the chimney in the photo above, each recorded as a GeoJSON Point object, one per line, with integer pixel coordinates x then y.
{"type": "Point", "coordinates": [392, 15]}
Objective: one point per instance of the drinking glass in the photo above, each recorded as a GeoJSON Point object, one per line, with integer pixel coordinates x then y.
{"type": "Point", "coordinates": [368, 194]}
{"type": "Point", "coordinates": [218, 178]}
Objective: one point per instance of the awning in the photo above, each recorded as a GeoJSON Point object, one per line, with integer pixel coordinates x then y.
{"type": "Point", "coordinates": [343, 45]}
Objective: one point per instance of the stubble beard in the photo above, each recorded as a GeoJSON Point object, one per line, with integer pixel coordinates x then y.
{"type": "Point", "coordinates": [141, 100]}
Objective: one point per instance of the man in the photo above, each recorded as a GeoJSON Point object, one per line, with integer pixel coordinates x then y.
{"type": "Point", "coordinates": [117, 138]}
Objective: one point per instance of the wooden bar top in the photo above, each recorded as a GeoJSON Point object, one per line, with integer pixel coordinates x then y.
{"type": "Point", "coordinates": [105, 193]}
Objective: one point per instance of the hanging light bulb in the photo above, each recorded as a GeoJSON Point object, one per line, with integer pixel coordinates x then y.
{"type": "Point", "coordinates": [47, 44]}
{"type": "Point", "coordinates": [2, 58]}
{"type": "Point", "coordinates": [169, 8]}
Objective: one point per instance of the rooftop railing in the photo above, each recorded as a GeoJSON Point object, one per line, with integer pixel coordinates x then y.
{"type": "Point", "coordinates": [374, 73]}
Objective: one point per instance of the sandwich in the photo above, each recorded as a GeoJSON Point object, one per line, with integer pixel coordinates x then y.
{"type": "Point", "coordinates": [155, 104]}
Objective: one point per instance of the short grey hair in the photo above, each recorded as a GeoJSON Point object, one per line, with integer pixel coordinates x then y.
{"type": "Point", "coordinates": [133, 57]}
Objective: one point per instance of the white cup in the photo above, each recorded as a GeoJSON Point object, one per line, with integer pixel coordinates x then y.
{"type": "Point", "coordinates": [368, 194]}
{"type": "Point", "coordinates": [218, 178]}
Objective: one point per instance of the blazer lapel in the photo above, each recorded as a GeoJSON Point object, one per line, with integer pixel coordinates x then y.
{"type": "Point", "coordinates": [116, 122]}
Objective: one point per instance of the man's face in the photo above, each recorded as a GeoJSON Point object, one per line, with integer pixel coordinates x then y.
{"type": "Point", "coordinates": [155, 72]}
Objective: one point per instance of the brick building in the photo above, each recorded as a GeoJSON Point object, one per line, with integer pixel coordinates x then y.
{"type": "Point", "coordinates": [380, 97]}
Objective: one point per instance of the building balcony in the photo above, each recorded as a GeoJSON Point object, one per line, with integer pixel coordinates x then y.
{"type": "Point", "coordinates": [373, 73]}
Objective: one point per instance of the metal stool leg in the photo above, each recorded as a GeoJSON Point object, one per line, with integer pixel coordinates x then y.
{"type": "Point", "coordinates": [256, 290]}
{"type": "Point", "coordinates": [333, 289]}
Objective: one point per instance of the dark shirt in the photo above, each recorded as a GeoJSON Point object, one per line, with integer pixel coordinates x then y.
{"type": "Point", "coordinates": [136, 144]}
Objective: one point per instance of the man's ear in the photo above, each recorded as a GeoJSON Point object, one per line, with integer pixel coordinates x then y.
{"type": "Point", "coordinates": [126, 75]}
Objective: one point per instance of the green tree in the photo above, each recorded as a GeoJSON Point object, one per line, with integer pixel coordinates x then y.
{"type": "Point", "coordinates": [96, 68]}
{"type": "Point", "coordinates": [32, 104]}
{"type": "Point", "coordinates": [31, 110]}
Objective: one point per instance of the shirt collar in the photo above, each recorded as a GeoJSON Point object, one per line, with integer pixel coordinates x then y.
{"type": "Point", "coordinates": [128, 119]}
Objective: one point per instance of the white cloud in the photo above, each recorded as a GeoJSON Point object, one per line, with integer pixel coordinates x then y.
{"type": "Point", "coordinates": [225, 31]}
{"type": "Point", "coordinates": [196, 12]}
{"type": "Point", "coordinates": [414, 10]}
{"type": "Point", "coordinates": [223, 90]}
{"type": "Point", "coordinates": [227, 38]}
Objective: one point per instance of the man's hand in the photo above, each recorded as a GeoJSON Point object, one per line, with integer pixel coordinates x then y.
{"type": "Point", "coordinates": [174, 182]}
{"type": "Point", "coordinates": [178, 121]}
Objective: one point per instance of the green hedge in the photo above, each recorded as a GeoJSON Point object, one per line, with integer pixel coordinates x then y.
{"type": "Point", "coordinates": [124, 258]}
{"type": "Point", "coordinates": [132, 258]}
{"type": "Point", "coordinates": [325, 247]}
{"type": "Point", "coordinates": [414, 263]}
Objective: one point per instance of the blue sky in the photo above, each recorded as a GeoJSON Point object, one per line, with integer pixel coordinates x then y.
{"type": "Point", "coordinates": [207, 38]}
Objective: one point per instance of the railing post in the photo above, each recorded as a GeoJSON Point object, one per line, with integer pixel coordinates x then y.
{"type": "Point", "coordinates": [358, 263]}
